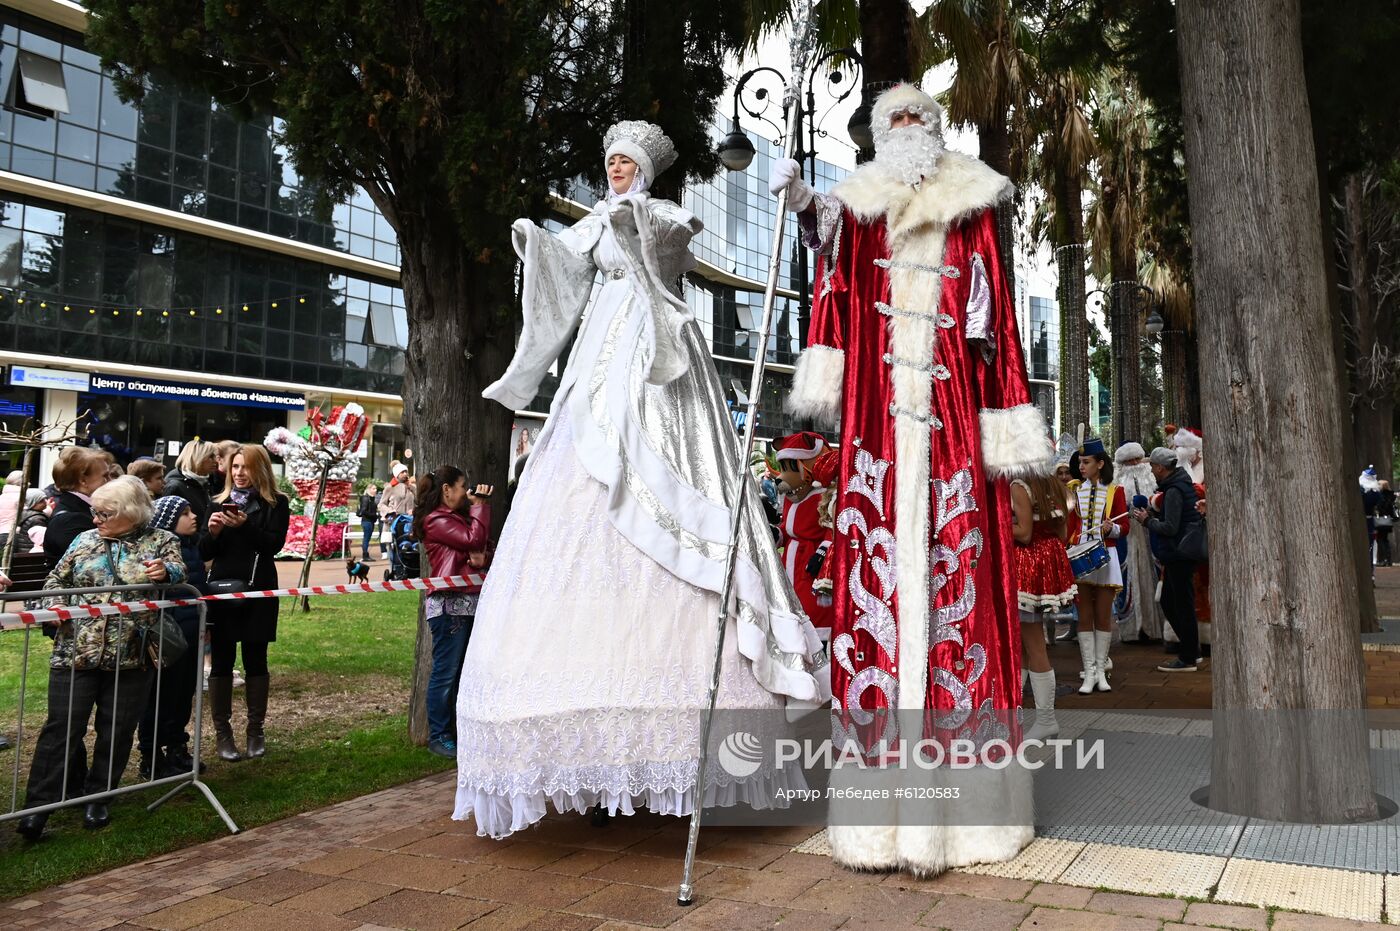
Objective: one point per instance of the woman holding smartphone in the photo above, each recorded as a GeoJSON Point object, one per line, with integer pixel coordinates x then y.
{"type": "Point", "coordinates": [246, 530]}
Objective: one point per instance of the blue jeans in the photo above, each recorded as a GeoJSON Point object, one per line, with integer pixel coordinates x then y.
{"type": "Point", "coordinates": [367, 528]}
{"type": "Point", "coordinates": [450, 635]}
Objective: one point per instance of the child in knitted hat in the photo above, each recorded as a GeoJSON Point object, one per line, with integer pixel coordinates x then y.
{"type": "Point", "coordinates": [162, 739]}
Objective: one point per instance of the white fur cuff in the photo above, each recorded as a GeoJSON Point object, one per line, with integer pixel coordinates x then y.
{"type": "Point", "coordinates": [1015, 442]}
{"type": "Point", "coordinates": [816, 385]}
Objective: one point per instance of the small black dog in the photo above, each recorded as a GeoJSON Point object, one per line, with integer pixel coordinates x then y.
{"type": "Point", "coordinates": [357, 570]}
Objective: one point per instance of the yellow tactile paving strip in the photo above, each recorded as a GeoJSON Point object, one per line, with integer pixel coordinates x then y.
{"type": "Point", "coordinates": [1043, 861]}
{"type": "Point", "coordinates": [1332, 892]}
{"type": "Point", "coordinates": [1338, 893]}
{"type": "Point", "coordinates": [1143, 871]}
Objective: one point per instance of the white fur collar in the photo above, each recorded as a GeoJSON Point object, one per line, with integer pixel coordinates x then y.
{"type": "Point", "coordinates": [961, 187]}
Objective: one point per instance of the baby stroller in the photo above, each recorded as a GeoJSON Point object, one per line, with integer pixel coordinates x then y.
{"type": "Point", "coordinates": [403, 551]}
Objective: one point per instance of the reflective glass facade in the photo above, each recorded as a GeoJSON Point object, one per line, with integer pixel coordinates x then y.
{"type": "Point", "coordinates": [1042, 339]}
{"type": "Point", "coordinates": [176, 149]}
{"type": "Point", "coordinates": [179, 151]}
{"type": "Point", "coordinates": [329, 328]}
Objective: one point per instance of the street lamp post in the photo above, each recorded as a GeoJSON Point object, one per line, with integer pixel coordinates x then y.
{"type": "Point", "coordinates": [736, 150]}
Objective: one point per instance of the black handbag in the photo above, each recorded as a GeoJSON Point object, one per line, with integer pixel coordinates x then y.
{"type": "Point", "coordinates": [1192, 543]}
{"type": "Point", "coordinates": [233, 586]}
{"type": "Point", "coordinates": [163, 642]}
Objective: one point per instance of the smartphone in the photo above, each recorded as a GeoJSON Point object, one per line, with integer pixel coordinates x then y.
{"type": "Point", "coordinates": [231, 507]}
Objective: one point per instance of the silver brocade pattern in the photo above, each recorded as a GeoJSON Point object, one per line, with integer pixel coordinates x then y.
{"type": "Point", "coordinates": [952, 499]}
{"type": "Point", "coordinates": [875, 614]}
{"type": "Point", "coordinates": [683, 422]}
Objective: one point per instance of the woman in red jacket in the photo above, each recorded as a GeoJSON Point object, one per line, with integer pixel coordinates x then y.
{"type": "Point", "coordinates": [448, 539]}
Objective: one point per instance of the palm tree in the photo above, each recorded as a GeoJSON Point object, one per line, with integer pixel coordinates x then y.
{"type": "Point", "coordinates": [991, 44]}
{"type": "Point", "coordinates": [1057, 120]}
{"type": "Point", "coordinates": [1122, 129]}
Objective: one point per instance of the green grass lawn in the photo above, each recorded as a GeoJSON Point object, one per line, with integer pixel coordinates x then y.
{"type": "Point", "coordinates": [337, 728]}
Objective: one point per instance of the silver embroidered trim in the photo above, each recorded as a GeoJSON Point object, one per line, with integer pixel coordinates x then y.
{"type": "Point", "coordinates": [925, 367]}
{"type": "Point", "coordinates": [889, 311]}
{"type": "Point", "coordinates": [946, 321]}
{"type": "Point", "coordinates": [941, 372]}
{"type": "Point", "coordinates": [897, 411]}
{"type": "Point", "coordinates": [949, 271]}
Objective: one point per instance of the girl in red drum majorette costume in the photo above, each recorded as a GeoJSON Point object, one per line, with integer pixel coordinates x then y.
{"type": "Point", "coordinates": [1043, 583]}
{"type": "Point", "coordinates": [806, 468]}
{"type": "Point", "coordinates": [1101, 515]}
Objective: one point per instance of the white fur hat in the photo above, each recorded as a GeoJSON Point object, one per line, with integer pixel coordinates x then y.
{"type": "Point", "coordinates": [1129, 451]}
{"type": "Point", "coordinates": [904, 98]}
{"type": "Point", "coordinates": [642, 142]}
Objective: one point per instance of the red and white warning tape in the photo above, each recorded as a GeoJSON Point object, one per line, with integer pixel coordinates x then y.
{"type": "Point", "coordinates": [19, 619]}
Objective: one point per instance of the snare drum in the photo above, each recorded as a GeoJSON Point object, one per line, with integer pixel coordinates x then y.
{"type": "Point", "coordinates": [1087, 558]}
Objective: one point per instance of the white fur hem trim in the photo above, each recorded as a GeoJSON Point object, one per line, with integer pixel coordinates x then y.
{"type": "Point", "coordinates": [1015, 442]}
{"type": "Point", "coordinates": [914, 841]}
{"type": "Point", "coordinates": [816, 385]}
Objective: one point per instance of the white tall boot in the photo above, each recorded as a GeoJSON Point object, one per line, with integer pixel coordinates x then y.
{"type": "Point", "coordinates": [1102, 639]}
{"type": "Point", "coordinates": [1086, 656]}
{"type": "Point", "coordinates": [1043, 688]}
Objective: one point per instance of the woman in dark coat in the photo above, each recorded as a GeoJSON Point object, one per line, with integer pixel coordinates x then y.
{"type": "Point", "coordinates": [194, 469]}
{"type": "Point", "coordinates": [78, 473]}
{"type": "Point", "coordinates": [246, 530]}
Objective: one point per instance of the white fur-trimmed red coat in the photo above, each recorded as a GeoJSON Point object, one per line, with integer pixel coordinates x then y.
{"type": "Point", "coordinates": [914, 349]}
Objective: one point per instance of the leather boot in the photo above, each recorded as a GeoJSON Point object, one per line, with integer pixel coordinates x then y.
{"type": "Point", "coordinates": [1102, 639]}
{"type": "Point", "coordinates": [255, 691]}
{"type": "Point", "coordinates": [1086, 656]}
{"type": "Point", "coordinates": [221, 710]}
{"type": "Point", "coordinates": [1043, 688]}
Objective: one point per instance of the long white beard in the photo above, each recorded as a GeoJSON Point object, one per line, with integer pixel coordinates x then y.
{"type": "Point", "coordinates": [910, 153]}
{"type": "Point", "coordinates": [1137, 480]}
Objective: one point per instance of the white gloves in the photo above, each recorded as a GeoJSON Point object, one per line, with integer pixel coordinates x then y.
{"type": "Point", "coordinates": [787, 174]}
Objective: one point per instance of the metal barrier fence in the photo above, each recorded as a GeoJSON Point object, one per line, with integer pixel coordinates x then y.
{"type": "Point", "coordinates": [174, 783]}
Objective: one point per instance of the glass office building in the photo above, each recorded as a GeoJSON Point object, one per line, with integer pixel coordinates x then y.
{"type": "Point", "coordinates": [164, 274]}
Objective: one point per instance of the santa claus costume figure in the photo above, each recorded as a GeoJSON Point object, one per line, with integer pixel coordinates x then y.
{"type": "Point", "coordinates": [1190, 451]}
{"type": "Point", "coordinates": [913, 348]}
{"type": "Point", "coordinates": [590, 662]}
{"type": "Point", "coordinates": [1136, 608]}
{"type": "Point", "coordinates": [1100, 516]}
{"type": "Point", "coordinates": [806, 467]}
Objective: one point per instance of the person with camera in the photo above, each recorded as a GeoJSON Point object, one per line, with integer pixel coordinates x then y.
{"type": "Point", "coordinates": [246, 530]}
{"type": "Point", "coordinates": [1180, 532]}
{"type": "Point", "coordinates": [456, 544]}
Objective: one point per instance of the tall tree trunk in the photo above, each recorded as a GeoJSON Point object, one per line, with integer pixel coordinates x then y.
{"type": "Point", "coordinates": [1074, 321]}
{"type": "Point", "coordinates": [1125, 325]}
{"type": "Point", "coordinates": [886, 41]}
{"type": "Point", "coordinates": [1349, 450]}
{"type": "Point", "coordinates": [461, 337]}
{"type": "Point", "coordinates": [1372, 388]}
{"type": "Point", "coordinates": [1191, 344]}
{"type": "Point", "coordinates": [1282, 579]}
{"type": "Point", "coordinates": [1174, 376]}
{"type": "Point", "coordinates": [994, 148]}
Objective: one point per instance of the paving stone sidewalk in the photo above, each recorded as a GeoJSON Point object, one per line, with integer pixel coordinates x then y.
{"type": "Point", "coordinates": [395, 860]}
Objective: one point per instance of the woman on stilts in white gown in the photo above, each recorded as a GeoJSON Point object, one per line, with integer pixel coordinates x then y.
{"type": "Point", "coordinates": [594, 642]}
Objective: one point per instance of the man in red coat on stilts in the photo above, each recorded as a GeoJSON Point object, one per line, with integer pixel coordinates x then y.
{"type": "Point", "coordinates": [913, 349]}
